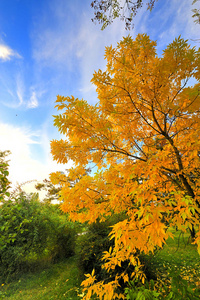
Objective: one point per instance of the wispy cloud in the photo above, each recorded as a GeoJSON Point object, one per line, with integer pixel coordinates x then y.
{"type": "Point", "coordinates": [20, 94]}
{"type": "Point", "coordinates": [20, 89]}
{"type": "Point", "coordinates": [90, 49]}
{"type": "Point", "coordinates": [170, 20]}
{"type": "Point", "coordinates": [33, 102]}
{"type": "Point", "coordinates": [76, 52]}
{"type": "Point", "coordinates": [53, 44]}
{"type": "Point", "coordinates": [6, 53]}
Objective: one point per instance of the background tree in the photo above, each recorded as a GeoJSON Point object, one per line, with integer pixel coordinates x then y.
{"type": "Point", "coordinates": [4, 182]}
{"type": "Point", "coordinates": [196, 12]}
{"type": "Point", "coordinates": [105, 11]}
{"type": "Point", "coordinates": [52, 190]}
{"type": "Point", "coordinates": [143, 137]}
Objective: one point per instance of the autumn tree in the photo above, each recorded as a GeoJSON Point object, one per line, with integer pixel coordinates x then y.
{"type": "Point", "coordinates": [143, 138]}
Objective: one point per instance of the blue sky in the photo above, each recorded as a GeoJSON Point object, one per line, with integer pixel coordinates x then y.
{"type": "Point", "coordinates": [51, 47]}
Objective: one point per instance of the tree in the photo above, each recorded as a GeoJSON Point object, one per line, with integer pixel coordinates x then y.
{"type": "Point", "coordinates": [143, 137]}
{"type": "Point", "coordinates": [52, 190]}
{"type": "Point", "coordinates": [105, 11]}
{"type": "Point", "coordinates": [196, 13]}
{"type": "Point", "coordinates": [4, 182]}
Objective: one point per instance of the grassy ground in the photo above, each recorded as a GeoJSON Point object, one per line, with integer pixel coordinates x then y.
{"type": "Point", "coordinates": [179, 256]}
{"type": "Point", "coordinates": [62, 280]}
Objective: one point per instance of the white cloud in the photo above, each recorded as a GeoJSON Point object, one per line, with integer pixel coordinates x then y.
{"type": "Point", "coordinates": [6, 53]}
{"type": "Point", "coordinates": [22, 167]}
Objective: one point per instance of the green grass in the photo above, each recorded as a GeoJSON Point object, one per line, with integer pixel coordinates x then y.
{"type": "Point", "coordinates": [60, 281]}
{"type": "Point", "coordinates": [178, 256]}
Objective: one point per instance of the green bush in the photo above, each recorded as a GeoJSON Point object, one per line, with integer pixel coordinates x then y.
{"type": "Point", "coordinates": [89, 248]}
{"type": "Point", "coordinates": [91, 245]}
{"type": "Point", "coordinates": [31, 233]}
{"type": "Point", "coordinates": [62, 238]}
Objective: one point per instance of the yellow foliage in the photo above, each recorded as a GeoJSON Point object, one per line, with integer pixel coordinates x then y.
{"type": "Point", "coordinates": [143, 138]}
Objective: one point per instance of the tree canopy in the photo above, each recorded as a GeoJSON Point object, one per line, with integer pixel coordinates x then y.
{"type": "Point", "coordinates": [143, 138]}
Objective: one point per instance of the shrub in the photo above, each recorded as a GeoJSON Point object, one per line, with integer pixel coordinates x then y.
{"type": "Point", "coordinates": [62, 238]}
{"type": "Point", "coordinates": [90, 246]}
{"type": "Point", "coordinates": [32, 233]}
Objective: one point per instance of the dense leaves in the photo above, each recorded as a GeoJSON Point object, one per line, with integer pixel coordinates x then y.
{"type": "Point", "coordinates": [143, 137]}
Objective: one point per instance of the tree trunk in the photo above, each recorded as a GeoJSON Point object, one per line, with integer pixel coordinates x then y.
{"type": "Point", "coordinates": [192, 233]}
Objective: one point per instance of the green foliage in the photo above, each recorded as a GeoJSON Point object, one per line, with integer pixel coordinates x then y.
{"type": "Point", "coordinates": [178, 290]}
{"type": "Point", "coordinates": [4, 182]}
{"type": "Point", "coordinates": [90, 246]}
{"type": "Point", "coordinates": [62, 239]}
{"type": "Point", "coordinates": [32, 233]}
{"type": "Point", "coordinates": [141, 293]}
{"type": "Point", "coordinates": [176, 267]}
{"type": "Point", "coordinates": [61, 280]}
